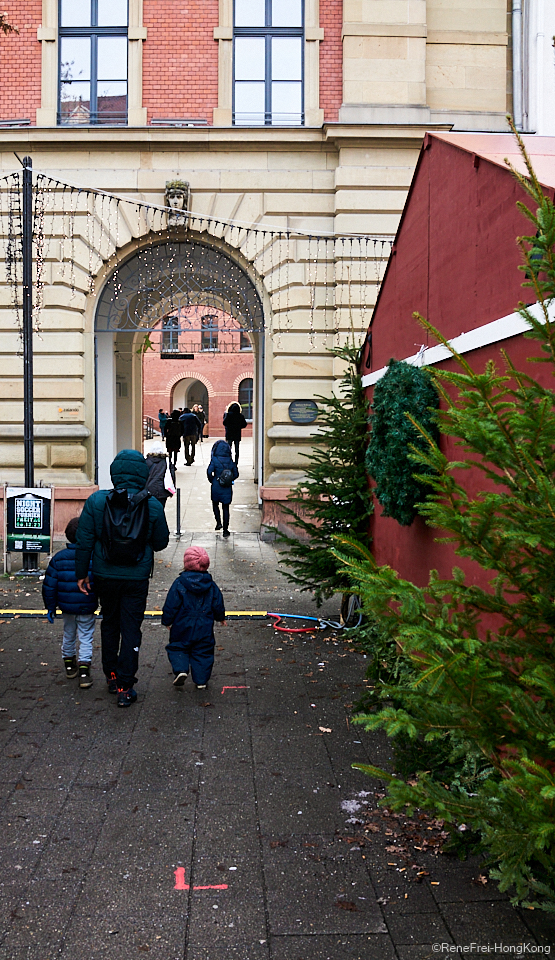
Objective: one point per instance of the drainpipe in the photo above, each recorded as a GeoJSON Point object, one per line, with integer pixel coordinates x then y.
{"type": "Point", "coordinates": [517, 63]}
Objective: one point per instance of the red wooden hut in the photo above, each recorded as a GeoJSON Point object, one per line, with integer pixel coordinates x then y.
{"type": "Point", "coordinates": [455, 260]}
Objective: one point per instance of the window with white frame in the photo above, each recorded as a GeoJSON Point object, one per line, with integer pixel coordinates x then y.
{"type": "Point", "coordinates": [268, 63]}
{"type": "Point", "coordinates": [93, 62]}
{"type": "Point", "coordinates": [245, 397]}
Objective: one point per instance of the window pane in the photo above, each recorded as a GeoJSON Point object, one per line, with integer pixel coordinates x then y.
{"type": "Point", "coordinates": [286, 58]}
{"type": "Point", "coordinates": [287, 13]}
{"type": "Point", "coordinates": [75, 102]}
{"type": "Point", "coordinates": [75, 58]}
{"type": "Point", "coordinates": [75, 13]}
{"type": "Point", "coordinates": [112, 13]}
{"type": "Point", "coordinates": [250, 58]}
{"type": "Point", "coordinates": [112, 58]}
{"type": "Point", "coordinates": [249, 103]}
{"type": "Point", "coordinates": [250, 13]}
{"type": "Point", "coordinates": [286, 103]}
{"type": "Point", "coordinates": [112, 101]}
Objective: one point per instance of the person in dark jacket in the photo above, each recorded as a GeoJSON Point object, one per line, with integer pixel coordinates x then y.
{"type": "Point", "coordinates": [60, 589]}
{"type": "Point", "coordinates": [201, 417]}
{"type": "Point", "coordinates": [122, 590]}
{"type": "Point", "coordinates": [157, 465]}
{"type": "Point", "coordinates": [221, 460]}
{"type": "Point", "coordinates": [193, 603]}
{"type": "Point", "coordinates": [172, 435]}
{"type": "Point", "coordinates": [234, 422]}
{"type": "Point", "coordinates": [162, 417]}
{"type": "Point", "coordinates": [190, 428]}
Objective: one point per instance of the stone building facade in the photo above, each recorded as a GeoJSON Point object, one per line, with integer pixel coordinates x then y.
{"type": "Point", "coordinates": [297, 125]}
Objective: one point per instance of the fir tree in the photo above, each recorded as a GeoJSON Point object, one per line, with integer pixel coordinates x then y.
{"type": "Point", "coordinates": [334, 497]}
{"type": "Point", "coordinates": [482, 661]}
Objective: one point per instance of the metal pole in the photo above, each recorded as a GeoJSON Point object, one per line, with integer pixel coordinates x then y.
{"type": "Point", "coordinates": [178, 513]}
{"type": "Point", "coordinates": [29, 559]}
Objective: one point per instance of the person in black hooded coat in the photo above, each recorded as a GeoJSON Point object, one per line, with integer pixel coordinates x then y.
{"type": "Point", "coordinates": [172, 435]}
{"type": "Point", "coordinates": [234, 422]}
{"type": "Point", "coordinates": [220, 461]}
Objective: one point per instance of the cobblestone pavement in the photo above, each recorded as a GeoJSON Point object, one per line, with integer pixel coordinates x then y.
{"type": "Point", "coordinates": [219, 824]}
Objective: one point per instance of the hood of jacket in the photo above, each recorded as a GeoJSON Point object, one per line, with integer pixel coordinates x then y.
{"type": "Point", "coordinates": [129, 471]}
{"type": "Point", "coordinates": [221, 449]}
{"type": "Point", "coordinates": [196, 581]}
{"type": "Point", "coordinates": [155, 456]}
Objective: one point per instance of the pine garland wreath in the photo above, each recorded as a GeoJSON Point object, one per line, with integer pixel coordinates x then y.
{"type": "Point", "coordinates": [404, 394]}
{"type": "Point", "coordinates": [334, 497]}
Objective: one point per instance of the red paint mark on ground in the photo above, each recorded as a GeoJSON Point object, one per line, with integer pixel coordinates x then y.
{"type": "Point", "coordinates": [181, 885]}
{"type": "Point", "coordinates": [234, 688]}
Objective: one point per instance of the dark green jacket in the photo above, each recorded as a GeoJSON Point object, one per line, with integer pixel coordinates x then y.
{"type": "Point", "coordinates": [128, 471]}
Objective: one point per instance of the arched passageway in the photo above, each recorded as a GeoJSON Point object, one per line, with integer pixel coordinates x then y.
{"type": "Point", "coordinates": [154, 282]}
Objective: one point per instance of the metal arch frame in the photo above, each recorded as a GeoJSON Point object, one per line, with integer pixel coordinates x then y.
{"type": "Point", "coordinates": [160, 278]}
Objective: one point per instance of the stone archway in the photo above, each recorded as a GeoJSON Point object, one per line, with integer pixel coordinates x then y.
{"type": "Point", "coordinates": [154, 281]}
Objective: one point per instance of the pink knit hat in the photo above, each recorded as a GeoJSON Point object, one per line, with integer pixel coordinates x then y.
{"type": "Point", "coordinates": [195, 558]}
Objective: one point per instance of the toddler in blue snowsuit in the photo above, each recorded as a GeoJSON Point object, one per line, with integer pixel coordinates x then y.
{"type": "Point", "coordinates": [60, 590]}
{"type": "Point", "coordinates": [193, 603]}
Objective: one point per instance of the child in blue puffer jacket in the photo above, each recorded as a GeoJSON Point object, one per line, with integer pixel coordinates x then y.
{"type": "Point", "coordinates": [60, 590]}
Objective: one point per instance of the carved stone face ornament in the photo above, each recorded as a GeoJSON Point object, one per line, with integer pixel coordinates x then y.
{"type": "Point", "coordinates": [177, 199]}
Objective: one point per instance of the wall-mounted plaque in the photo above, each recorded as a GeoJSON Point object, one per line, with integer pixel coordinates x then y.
{"type": "Point", "coordinates": [303, 411]}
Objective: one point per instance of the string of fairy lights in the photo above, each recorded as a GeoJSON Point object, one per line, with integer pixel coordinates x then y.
{"type": "Point", "coordinates": [80, 232]}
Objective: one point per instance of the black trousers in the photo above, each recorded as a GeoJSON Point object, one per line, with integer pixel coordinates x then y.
{"type": "Point", "coordinates": [122, 605]}
{"type": "Point", "coordinates": [225, 511]}
{"type": "Point", "coordinates": [236, 443]}
{"type": "Point", "coordinates": [189, 443]}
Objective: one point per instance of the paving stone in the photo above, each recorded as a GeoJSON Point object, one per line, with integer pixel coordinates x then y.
{"type": "Point", "coordinates": [321, 947]}
{"type": "Point", "coordinates": [487, 922]}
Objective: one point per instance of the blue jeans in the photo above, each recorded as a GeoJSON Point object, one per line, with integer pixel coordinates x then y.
{"type": "Point", "coordinates": [78, 625]}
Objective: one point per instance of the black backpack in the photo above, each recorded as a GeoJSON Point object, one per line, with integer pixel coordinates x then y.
{"type": "Point", "coordinates": [226, 477]}
{"type": "Point", "coordinates": [125, 527]}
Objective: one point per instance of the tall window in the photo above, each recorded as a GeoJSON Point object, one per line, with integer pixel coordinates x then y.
{"type": "Point", "coordinates": [268, 63]}
{"type": "Point", "coordinates": [93, 62]}
{"type": "Point", "coordinates": [209, 333]}
{"type": "Point", "coordinates": [245, 397]}
{"type": "Point", "coordinates": [245, 342]}
{"type": "Point", "coordinates": [170, 335]}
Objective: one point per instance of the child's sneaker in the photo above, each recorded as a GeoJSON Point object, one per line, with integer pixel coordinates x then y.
{"type": "Point", "coordinates": [70, 664]}
{"type": "Point", "coordinates": [180, 679]}
{"type": "Point", "coordinates": [201, 686]}
{"type": "Point", "coordinates": [112, 683]}
{"type": "Point", "coordinates": [126, 697]}
{"type": "Point", "coordinates": [85, 676]}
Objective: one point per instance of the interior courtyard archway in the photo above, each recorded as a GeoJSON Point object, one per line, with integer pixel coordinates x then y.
{"type": "Point", "coordinates": [168, 279]}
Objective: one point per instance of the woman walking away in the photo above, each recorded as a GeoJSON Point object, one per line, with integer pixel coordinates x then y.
{"type": "Point", "coordinates": [234, 422]}
{"type": "Point", "coordinates": [157, 467]}
{"type": "Point", "coordinates": [201, 416]}
{"type": "Point", "coordinates": [221, 474]}
{"type": "Point", "coordinates": [172, 433]}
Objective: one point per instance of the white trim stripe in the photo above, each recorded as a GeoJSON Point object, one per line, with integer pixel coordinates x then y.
{"type": "Point", "coordinates": [502, 329]}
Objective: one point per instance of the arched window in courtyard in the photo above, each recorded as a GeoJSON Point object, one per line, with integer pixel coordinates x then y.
{"type": "Point", "coordinates": [245, 397]}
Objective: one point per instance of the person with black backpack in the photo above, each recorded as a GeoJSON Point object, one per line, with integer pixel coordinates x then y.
{"type": "Point", "coordinates": [121, 529]}
{"type": "Point", "coordinates": [221, 473]}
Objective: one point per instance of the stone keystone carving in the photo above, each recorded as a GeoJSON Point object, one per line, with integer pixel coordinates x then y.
{"type": "Point", "coordinates": [178, 194]}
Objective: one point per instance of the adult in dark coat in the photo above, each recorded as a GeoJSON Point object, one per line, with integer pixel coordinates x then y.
{"type": "Point", "coordinates": [162, 417]}
{"type": "Point", "coordinates": [122, 590]}
{"type": "Point", "coordinates": [234, 422]}
{"type": "Point", "coordinates": [221, 460]}
{"type": "Point", "coordinates": [193, 603]}
{"type": "Point", "coordinates": [157, 465]}
{"type": "Point", "coordinates": [190, 428]}
{"type": "Point", "coordinates": [172, 435]}
{"type": "Point", "coordinates": [201, 417]}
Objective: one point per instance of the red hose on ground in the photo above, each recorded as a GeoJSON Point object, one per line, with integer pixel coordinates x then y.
{"type": "Point", "coordinates": [278, 619]}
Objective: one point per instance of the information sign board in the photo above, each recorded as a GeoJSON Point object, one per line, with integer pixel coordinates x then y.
{"type": "Point", "coordinates": [303, 411]}
{"type": "Point", "coordinates": [28, 516]}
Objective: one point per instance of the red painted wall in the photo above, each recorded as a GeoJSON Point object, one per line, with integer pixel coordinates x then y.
{"type": "Point", "coordinates": [180, 59]}
{"type": "Point", "coordinates": [20, 62]}
{"type": "Point", "coordinates": [456, 262]}
{"type": "Point", "coordinates": [331, 59]}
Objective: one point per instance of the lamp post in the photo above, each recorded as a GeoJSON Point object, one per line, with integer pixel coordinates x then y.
{"type": "Point", "coordinates": [30, 560]}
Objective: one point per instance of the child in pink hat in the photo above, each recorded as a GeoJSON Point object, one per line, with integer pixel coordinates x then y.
{"type": "Point", "coordinates": [193, 603]}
